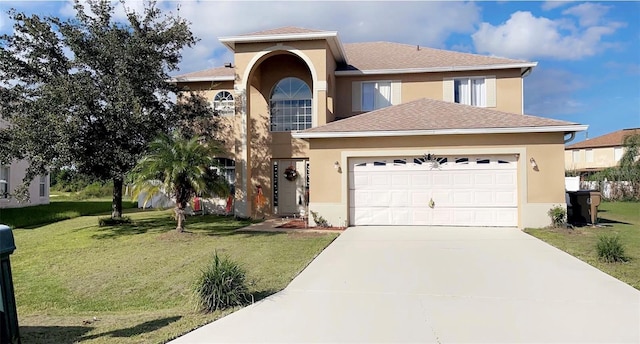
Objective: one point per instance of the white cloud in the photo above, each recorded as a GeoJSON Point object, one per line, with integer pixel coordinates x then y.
{"type": "Point", "coordinates": [526, 36]}
{"type": "Point", "coordinates": [552, 92]}
{"type": "Point", "coordinates": [588, 13]}
{"type": "Point", "coordinates": [550, 5]}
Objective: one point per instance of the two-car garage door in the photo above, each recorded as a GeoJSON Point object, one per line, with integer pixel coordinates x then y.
{"type": "Point", "coordinates": [434, 191]}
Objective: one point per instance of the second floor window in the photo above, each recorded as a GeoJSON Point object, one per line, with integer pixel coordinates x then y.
{"type": "Point", "coordinates": [575, 155]}
{"type": "Point", "coordinates": [290, 105]}
{"type": "Point", "coordinates": [375, 95]}
{"type": "Point", "coordinates": [470, 91]}
{"type": "Point", "coordinates": [223, 104]}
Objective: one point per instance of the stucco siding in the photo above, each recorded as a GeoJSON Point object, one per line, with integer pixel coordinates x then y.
{"type": "Point", "coordinates": [430, 85]}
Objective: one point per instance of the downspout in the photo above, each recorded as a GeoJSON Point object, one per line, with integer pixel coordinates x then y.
{"type": "Point", "coordinates": [572, 135]}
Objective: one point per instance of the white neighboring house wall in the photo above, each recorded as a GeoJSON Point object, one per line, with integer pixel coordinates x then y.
{"type": "Point", "coordinates": [17, 170]}
{"type": "Point", "coordinates": [161, 200]}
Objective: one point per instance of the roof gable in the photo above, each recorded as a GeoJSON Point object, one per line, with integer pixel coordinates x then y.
{"type": "Point", "coordinates": [430, 117]}
{"type": "Point", "coordinates": [615, 138]}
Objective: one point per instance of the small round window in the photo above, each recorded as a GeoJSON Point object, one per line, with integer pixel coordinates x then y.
{"type": "Point", "coordinates": [223, 104]}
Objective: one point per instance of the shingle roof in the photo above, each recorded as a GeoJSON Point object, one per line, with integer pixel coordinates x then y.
{"type": "Point", "coordinates": [430, 114]}
{"type": "Point", "coordinates": [387, 55]}
{"type": "Point", "coordinates": [373, 56]}
{"type": "Point", "coordinates": [217, 72]}
{"type": "Point", "coordinates": [615, 138]}
{"type": "Point", "coordinates": [287, 30]}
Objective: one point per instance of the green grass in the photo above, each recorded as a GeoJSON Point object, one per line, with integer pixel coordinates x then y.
{"type": "Point", "coordinates": [137, 279]}
{"type": "Point", "coordinates": [62, 207]}
{"type": "Point", "coordinates": [620, 219]}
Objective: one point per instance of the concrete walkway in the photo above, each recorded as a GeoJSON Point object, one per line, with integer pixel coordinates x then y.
{"type": "Point", "coordinates": [438, 285]}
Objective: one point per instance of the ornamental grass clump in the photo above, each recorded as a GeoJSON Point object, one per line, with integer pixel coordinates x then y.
{"type": "Point", "coordinates": [222, 285]}
{"type": "Point", "coordinates": [610, 249]}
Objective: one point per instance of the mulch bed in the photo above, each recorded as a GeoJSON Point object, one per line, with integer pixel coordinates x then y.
{"type": "Point", "coordinates": [301, 224]}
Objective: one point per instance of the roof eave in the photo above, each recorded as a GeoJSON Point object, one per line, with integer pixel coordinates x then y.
{"type": "Point", "coordinates": [203, 78]}
{"type": "Point", "coordinates": [523, 66]}
{"type": "Point", "coordinates": [511, 130]}
{"type": "Point", "coordinates": [332, 38]}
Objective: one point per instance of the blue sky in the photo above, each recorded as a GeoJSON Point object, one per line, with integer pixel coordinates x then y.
{"type": "Point", "coordinates": [588, 53]}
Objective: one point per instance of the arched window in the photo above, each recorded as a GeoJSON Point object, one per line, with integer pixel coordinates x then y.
{"type": "Point", "coordinates": [290, 105]}
{"type": "Point", "coordinates": [223, 104]}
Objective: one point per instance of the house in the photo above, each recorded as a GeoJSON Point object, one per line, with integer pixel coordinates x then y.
{"type": "Point", "coordinates": [598, 153]}
{"type": "Point", "coordinates": [11, 176]}
{"type": "Point", "coordinates": [382, 133]}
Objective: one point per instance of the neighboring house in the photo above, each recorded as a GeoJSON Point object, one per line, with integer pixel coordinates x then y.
{"type": "Point", "coordinates": [598, 153]}
{"type": "Point", "coordinates": [11, 176]}
{"type": "Point", "coordinates": [382, 133]}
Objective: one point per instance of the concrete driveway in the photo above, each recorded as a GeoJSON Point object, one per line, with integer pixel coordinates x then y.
{"type": "Point", "coordinates": [438, 285]}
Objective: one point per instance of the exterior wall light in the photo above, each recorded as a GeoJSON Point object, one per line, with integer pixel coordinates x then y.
{"type": "Point", "coordinates": [534, 165]}
{"type": "Point", "coordinates": [336, 165]}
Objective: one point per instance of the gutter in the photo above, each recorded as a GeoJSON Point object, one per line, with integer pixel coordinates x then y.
{"type": "Point", "coordinates": [473, 131]}
{"type": "Point", "coordinates": [528, 67]}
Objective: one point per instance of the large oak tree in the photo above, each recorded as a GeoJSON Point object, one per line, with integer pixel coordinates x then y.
{"type": "Point", "coordinates": [91, 92]}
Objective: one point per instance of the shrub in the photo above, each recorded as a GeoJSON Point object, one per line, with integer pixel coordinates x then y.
{"type": "Point", "coordinates": [109, 221]}
{"type": "Point", "coordinates": [221, 285]}
{"type": "Point", "coordinates": [319, 220]}
{"type": "Point", "coordinates": [610, 249]}
{"type": "Point", "coordinates": [96, 190]}
{"type": "Point", "coordinates": [558, 216]}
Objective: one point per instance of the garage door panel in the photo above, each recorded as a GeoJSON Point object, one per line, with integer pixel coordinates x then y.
{"type": "Point", "coordinates": [462, 179]}
{"type": "Point", "coordinates": [400, 180]}
{"type": "Point", "coordinates": [484, 179]}
{"type": "Point", "coordinates": [442, 198]}
{"type": "Point", "coordinates": [442, 180]}
{"type": "Point", "coordinates": [420, 179]}
{"type": "Point", "coordinates": [399, 199]}
{"type": "Point", "coordinates": [422, 217]}
{"type": "Point", "coordinates": [463, 198]}
{"type": "Point", "coordinates": [419, 199]}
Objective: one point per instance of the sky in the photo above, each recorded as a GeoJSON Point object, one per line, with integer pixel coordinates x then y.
{"type": "Point", "coordinates": [588, 53]}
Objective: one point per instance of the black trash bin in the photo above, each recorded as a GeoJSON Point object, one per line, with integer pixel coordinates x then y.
{"type": "Point", "coordinates": [583, 209]}
{"type": "Point", "coordinates": [8, 313]}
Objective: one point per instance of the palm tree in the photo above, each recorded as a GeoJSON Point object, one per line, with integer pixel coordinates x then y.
{"type": "Point", "coordinates": [182, 167]}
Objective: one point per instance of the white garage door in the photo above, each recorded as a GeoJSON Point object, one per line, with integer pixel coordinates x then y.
{"type": "Point", "coordinates": [434, 191]}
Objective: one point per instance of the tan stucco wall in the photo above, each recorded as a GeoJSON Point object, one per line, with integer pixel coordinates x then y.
{"type": "Point", "coordinates": [544, 186]}
{"type": "Point", "coordinates": [602, 158]}
{"type": "Point", "coordinates": [430, 85]}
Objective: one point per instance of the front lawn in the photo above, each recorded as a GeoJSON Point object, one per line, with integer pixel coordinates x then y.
{"type": "Point", "coordinates": [616, 218]}
{"type": "Point", "coordinates": [62, 207]}
{"type": "Point", "coordinates": [136, 280]}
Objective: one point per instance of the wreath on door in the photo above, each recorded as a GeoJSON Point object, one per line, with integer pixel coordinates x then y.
{"type": "Point", "coordinates": [290, 173]}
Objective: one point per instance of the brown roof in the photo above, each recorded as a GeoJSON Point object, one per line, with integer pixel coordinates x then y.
{"type": "Point", "coordinates": [387, 55]}
{"type": "Point", "coordinates": [615, 138]}
{"type": "Point", "coordinates": [430, 114]}
{"type": "Point", "coordinates": [209, 73]}
{"type": "Point", "coordinates": [287, 30]}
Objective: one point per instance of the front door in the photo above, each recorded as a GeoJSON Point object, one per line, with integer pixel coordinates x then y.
{"type": "Point", "coordinates": [289, 186]}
